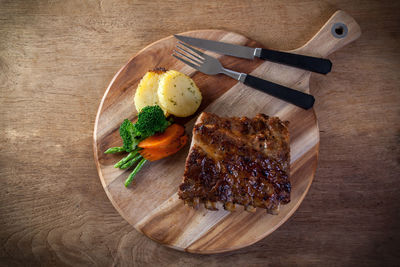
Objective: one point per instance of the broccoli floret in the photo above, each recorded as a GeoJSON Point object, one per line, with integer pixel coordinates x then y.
{"type": "Point", "coordinates": [128, 134]}
{"type": "Point", "coordinates": [150, 121]}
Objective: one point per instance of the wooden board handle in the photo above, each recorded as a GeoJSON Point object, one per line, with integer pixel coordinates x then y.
{"type": "Point", "coordinates": [337, 32]}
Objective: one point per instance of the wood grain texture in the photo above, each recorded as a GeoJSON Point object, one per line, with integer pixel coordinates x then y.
{"type": "Point", "coordinates": [151, 205]}
{"type": "Point", "coordinates": [55, 59]}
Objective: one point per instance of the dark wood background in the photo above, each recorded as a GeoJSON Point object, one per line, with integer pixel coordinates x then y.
{"type": "Point", "coordinates": [57, 58]}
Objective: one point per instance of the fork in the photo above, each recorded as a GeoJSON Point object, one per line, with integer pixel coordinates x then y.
{"type": "Point", "coordinates": [211, 66]}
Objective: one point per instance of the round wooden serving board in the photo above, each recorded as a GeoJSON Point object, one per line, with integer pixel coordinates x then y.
{"type": "Point", "coordinates": [151, 204]}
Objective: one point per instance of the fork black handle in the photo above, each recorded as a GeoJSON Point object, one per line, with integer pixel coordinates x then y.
{"type": "Point", "coordinates": [297, 98]}
{"type": "Point", "coordinates": [319, 65]}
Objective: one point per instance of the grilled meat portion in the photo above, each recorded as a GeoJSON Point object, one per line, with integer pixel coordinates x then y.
{"type": "Point", "coordinates": [238, 161]}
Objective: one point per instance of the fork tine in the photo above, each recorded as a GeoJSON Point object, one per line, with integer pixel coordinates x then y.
{"type": "Point", "coordinates": [192, 59]}
{"type": "Point", "coordinates": [194, 55]}
{"type": "Point", "coordinates": [193, 49]}
{"type": "Point", "coordinates": [186, 62]}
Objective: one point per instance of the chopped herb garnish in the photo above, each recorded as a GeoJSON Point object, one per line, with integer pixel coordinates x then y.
{"type": "Point", "coordinates": [172, 101]}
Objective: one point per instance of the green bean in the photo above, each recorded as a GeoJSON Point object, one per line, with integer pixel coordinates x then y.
{"type": "Point", "coordinates": [130, 156]}
{"type": "Point", "coordinates": [116, 149]}
{"type": "Point", "coordinates": [135, 171]}
{"type": "Point", "coordinates": [131, 162]}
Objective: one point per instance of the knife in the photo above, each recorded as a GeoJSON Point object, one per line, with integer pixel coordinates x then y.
{"type": "Point", "coordinates": [314, 64]}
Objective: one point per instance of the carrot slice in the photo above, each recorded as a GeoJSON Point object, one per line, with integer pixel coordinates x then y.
{"type": "Point", "coordinates": [172, 133]}
{"type": "Point", "coordinates": [153, 154]}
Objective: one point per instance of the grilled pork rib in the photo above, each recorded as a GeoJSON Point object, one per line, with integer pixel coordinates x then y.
{"type": "Point", "coordinates": [238, 161]}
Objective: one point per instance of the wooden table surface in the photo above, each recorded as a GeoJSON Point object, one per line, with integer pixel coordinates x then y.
{"type": "Point", "coordinates": [56, 59]}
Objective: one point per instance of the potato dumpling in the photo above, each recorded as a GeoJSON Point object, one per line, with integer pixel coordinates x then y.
{"type": "Point", "coordinates": [178, 94]}
{"type": "Point", "coordinates": [146, 92]}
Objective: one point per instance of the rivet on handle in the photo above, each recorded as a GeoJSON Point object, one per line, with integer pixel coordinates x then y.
{"type": "Point", "coordinates": [339, 30]}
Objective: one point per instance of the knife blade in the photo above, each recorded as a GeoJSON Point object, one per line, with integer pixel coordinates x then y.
{"type": "Point", "coordinates": [319, 65]}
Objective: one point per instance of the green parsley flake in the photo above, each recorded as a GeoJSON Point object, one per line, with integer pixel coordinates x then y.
{"type": "Point", "coordinates": [172, 101]}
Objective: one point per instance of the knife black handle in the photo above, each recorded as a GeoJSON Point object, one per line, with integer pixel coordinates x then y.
{"type": "Point", "coordinates": [319, 65]}
{"type": "Point", "coordinates": [297, 98]}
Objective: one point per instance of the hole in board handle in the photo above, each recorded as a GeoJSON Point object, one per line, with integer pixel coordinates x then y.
{"type": "Point", "coordinates": [339, 30]}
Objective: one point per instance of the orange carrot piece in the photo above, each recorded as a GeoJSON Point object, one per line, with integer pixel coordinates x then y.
{"type": "Point", "coordinates": [172, 133]}
{"type": "Point", "coordinates": [153, 154]}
